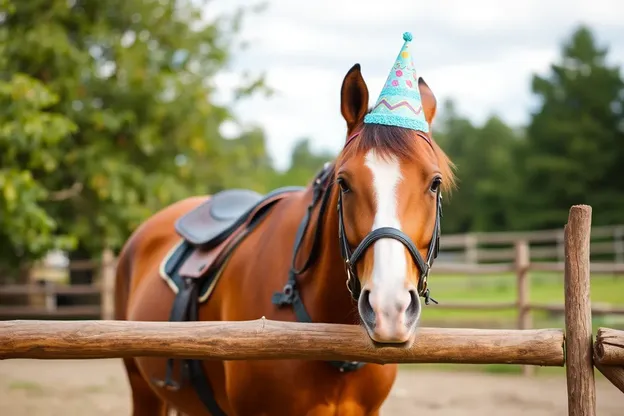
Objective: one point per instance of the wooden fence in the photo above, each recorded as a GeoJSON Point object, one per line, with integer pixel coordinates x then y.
{"type": "Point", "coordinates": [263, 339]}
{"type": "Point", "coordinates": [42, 298]}
{"type": "Point", "coordinates": [607, 243]}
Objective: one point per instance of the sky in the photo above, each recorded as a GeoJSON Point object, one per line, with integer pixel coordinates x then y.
{"type": "Point", "coordinates": [482, 54]}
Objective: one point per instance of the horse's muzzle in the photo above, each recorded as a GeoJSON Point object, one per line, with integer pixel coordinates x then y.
{"type": "Point", "coordinates": [390, 320]}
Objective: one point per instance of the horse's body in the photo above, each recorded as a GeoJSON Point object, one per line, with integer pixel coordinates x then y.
{"type": "Point", "coordinates": [257, 269]}
{"type": "Point", "coordinates": [386, 180]}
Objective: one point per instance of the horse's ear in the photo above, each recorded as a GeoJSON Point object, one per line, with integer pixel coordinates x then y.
{"type": "Point", "coordinates": [353, 98]}
{"type": "Point", "coordinates": [429, 101]}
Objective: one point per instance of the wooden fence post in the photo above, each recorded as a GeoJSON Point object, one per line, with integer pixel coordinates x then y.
{"type": "Point", "coordinates": [471, 246]}
{"type": "Point", "coordinates": [108, 285]}
{"type": "Point", "coordinates": [578, 323]}
{"type": "Point", "coordinates": [50, 297]}
{"type": "Point", "coordinates": [561, 246]}
{"type": "Point", "coordinates": [618, 244]}
{"type": "Point", "coordinates": [522, 262]}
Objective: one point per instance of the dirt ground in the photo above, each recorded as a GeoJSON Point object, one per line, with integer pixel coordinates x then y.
{"type": "Point", "coordinates": [99, 388]}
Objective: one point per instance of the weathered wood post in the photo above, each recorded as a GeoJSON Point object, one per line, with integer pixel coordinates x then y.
{"type": "Point", "coordinates": [50, 297]}
{"type": "Point", "coordinates": [609, 355]}
{"type": "Point", "coordinates": [471, 246]}
{"type": "Point", "coordinates": [578, 323]}
{"type": "Point", "coordinates": [107, 310]}
{"type": "Point", "coordinates": [522, 262]}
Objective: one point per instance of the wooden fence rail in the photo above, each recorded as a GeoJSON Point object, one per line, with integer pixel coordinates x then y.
{"type": "Point", "coordinates": [265, 339]}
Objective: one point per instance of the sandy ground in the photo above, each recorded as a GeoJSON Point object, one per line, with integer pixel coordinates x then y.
{"type": "Point", "coordinates": [99, 388]}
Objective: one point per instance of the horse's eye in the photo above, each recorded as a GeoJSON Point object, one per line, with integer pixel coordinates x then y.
{"type": "Point", "coordinates": [435, 184]}
{"type": "Point", "coordinates": [344, 186]}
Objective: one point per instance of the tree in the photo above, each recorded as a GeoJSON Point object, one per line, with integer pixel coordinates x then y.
{"type": "Point", "coordinates": [126, 89]}
{"type": "Point", "coordinates": [575, 141]}
{"type": "Point", "coordinates": [304, 164]}
{"type": "Point", "coordinates": [494, 178]}
{"type": "Point", "coordinates": [28, 138]}
{"type": "Point", "coordinates": [486, 158]}
{"type": "Point", "coordinates": [454, 133]}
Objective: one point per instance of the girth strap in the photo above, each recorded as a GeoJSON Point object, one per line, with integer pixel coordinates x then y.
{"type": "Point", "coordinates": [198, 377]}
{"type": "Point", "coordinates": [185, 308]}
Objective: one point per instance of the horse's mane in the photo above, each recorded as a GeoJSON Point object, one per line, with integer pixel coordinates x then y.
{"type": "Point", "coordinates": [403, 143]}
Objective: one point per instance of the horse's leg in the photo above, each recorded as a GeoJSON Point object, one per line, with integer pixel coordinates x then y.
{"type": "Point", "coordinates": [144, 400]}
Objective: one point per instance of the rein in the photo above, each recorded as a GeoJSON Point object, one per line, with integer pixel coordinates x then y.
{"type": "Point", "coordinates": [322, 188]}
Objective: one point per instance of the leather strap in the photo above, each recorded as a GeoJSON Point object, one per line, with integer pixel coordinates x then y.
{"type": "Point", "coordinates": [290, 293]}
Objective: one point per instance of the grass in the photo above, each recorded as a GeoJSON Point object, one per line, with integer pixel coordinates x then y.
{"type": "Point", "coordinates": [545, 288]}
{"type": "Point", "coordinates": [27, 386]}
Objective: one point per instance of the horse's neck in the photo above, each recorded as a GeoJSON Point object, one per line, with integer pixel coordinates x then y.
{"type": "Point", "coordinates": [325, 293]}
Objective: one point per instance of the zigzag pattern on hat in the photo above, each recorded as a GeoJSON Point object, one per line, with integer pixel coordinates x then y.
{"type": "Point", "coordinates": [397, 105]}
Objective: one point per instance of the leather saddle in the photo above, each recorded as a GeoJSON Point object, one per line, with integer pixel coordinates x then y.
{"type": "Point", "coordinates": [210, 234]}
{"type": "Point", "coordinates": [215, 227]}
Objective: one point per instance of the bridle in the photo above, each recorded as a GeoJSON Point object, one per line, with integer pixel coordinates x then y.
{"type": "Point", "coordinates": [321, 191]}
{"type": "Point", "coordinates": [351, 258]}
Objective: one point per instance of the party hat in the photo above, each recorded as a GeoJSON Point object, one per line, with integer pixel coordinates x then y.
{"type": "Point", "coordinates": [399, 103]}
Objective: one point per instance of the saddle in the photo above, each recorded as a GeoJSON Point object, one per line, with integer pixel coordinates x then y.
{"type": "Point", "coordinates": [209, 235]}
{"type": "Point", "coordinates": [210, 232]}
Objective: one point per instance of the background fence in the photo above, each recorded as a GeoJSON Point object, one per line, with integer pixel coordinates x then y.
{"type": "Point", "coordinates": [507, 266]}
{"type": "Point", "coordinates": [480, 279]}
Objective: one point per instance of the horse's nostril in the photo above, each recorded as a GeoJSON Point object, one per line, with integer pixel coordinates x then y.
{"type": "Point", "coordinates": [413, 310]}
{"type": "Point", "coordinates": [366, 309]}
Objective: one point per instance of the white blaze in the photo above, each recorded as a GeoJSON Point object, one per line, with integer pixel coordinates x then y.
{"type": "Point", "coordinates": [390, 261]}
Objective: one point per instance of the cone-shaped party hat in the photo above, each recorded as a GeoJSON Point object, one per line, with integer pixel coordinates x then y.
{"type": "Point", "coordinates": [399, 103]}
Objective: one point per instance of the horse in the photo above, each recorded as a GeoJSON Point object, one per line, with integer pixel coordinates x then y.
{"type": "Point", "coordinates": [353, 246]}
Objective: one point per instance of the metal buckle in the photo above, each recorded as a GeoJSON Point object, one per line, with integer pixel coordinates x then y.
{"type": "Point", "coordinates": [423, 280]}
{"type": "Point", "coordinates": [349, 282]}
{"type": "Point", "coordinates": [349, 276]}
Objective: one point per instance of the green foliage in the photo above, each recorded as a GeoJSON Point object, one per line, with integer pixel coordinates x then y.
{"type": "Point", "coordinates": [576, 138]}
{"type": "Point", "coordinates": [108, 116]}
{"type": "Point", "coordinates": [29, 138]}
{"type": "Point", "coordinates": [304, 164]}
{"type": "Point", "coordinates": [571, 153]}
{"type": "Point", "coordinates": [487, 164]}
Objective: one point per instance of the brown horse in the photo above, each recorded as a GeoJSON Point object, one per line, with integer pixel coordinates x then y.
{"type": "Point", "coordinates": [370, 218]}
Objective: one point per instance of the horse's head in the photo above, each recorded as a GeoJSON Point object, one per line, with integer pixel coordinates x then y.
{"type": "Point", "coordinates": [390, 176]}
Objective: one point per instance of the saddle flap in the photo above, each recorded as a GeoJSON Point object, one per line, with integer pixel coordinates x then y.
{"type": "Point", "coordinates": [212, 221]}
{"type": "Point", "coordinates": [200, 260]}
